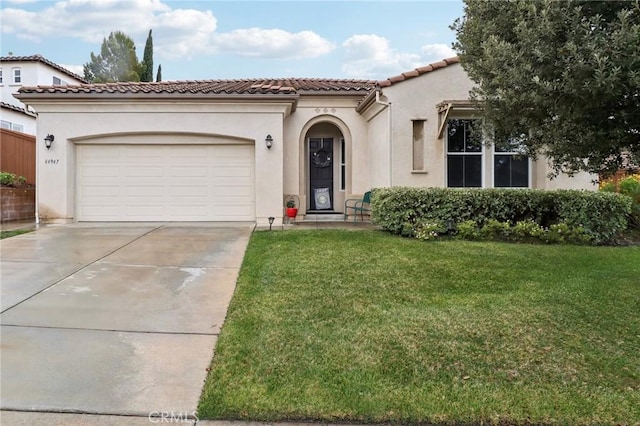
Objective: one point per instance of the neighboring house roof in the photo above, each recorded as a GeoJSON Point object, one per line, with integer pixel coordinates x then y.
{"type": "Point", "coordinates": [17, 109]}
{"type": "Point", "coordinates": [41, 59]}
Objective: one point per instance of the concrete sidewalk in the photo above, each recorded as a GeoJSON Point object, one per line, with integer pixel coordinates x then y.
{"type": "Point", "coordinates": [61, 419]}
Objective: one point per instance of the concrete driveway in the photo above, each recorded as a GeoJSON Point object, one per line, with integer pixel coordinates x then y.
{"type": "Point", "coordinates": [114, 318]}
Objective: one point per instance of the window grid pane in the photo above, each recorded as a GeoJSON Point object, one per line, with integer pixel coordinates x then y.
{"type": "Point", "coordinates": [511, 171]}
{"type": "Point", "coordinates": [464, 159]}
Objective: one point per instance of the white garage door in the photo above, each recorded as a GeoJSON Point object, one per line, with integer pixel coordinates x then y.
{"type": "Point", "coordinates": [165, 183]}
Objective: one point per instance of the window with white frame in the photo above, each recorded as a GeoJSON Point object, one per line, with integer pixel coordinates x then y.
{"type": "Point", "coordinates": [510, 165]}
{"type": "Point", "coordinates": [11, 126]}
{"type": "Point", "coordinates": [56, 81]}
{"type": "Point", "coordinates": [464, 153]}
{"type": "Point", "coordinates": [17, 75]}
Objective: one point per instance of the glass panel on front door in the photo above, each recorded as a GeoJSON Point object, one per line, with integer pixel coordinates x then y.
{"type": "Point", "coordinates": [321, 173]}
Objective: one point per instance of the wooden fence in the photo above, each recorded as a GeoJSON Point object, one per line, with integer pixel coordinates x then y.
{"type": "Point", "coordinates": [18, 154]}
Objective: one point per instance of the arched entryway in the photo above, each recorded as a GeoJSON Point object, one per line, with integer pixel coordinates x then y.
{"type": "Point", "coordinates": [325, 157]}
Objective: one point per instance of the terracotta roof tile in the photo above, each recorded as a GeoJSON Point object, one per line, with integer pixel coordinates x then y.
{"type": "Point", "coordinates": [17, 109]}
{"type": "Point", "coordinates": [40, 58]}
{"type": "Point", "coordinates": [242, 86]}
{"type": "Point", "coordinates": [418, 71]}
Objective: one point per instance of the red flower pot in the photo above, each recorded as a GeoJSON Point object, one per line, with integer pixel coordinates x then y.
{"type": "Point", "coordinates": [292, 212]}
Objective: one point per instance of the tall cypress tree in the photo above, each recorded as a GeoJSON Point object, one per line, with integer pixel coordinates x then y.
{"type": "Point", "coordinates": [159, 75]}
{"type": "Point", "coordinates": [146, 72]}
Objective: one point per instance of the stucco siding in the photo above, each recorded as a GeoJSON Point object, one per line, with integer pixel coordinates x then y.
{"type": "Point", "coordinates": [416, 99]}
{"type": "Point", "coordinates": [78, 124]}
{"type": "Point", "coordinates": [326, 117]}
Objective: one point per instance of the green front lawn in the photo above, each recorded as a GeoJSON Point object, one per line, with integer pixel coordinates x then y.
{"type": "Point", "coordinates": [362, 326]}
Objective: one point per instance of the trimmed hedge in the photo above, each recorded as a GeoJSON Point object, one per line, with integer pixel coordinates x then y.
{"type": "Point", "coordinates": [601, 215]}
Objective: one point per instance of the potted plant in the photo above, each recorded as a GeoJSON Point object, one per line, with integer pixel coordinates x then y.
{"type": "Point", "coordinates": [292, 211]}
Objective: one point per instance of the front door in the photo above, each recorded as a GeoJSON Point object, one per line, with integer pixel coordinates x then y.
{"type": "Point", "coordinates": [321, 173]}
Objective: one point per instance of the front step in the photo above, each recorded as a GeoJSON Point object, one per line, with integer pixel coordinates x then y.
{"type": "Point", "coordinates": [323, 217]}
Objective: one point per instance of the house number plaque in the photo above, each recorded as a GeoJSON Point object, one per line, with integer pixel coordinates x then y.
{"type": "Point", "coordinates": [51, 161]}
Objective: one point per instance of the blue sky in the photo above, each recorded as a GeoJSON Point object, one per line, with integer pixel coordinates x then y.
{"type": "Point", "coordinates": [199, 40]}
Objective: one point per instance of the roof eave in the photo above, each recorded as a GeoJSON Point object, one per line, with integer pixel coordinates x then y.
{"type": "Point", "coordinates": [34, 98]}
{"type": "Point", "coordinates": [368, 100]}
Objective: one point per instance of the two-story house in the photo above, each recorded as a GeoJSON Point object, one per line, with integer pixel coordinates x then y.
{"type": "Point", "coordinates": [18, 71]}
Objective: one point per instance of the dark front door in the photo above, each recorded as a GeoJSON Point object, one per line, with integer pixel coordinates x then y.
{"type": "Point", "coordinates": [321, 173]}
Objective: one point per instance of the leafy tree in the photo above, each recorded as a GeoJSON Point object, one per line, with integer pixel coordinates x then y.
{"type": "Point", "coordinates": [117, 61]}
{"type": "Point", "coordinates": [159, 75]}
{"type": "Point", "coordinates": [146, 67]}
{"type": "Point", "coordinates": [560, 77]}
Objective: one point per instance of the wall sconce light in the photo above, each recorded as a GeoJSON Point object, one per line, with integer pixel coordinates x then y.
{"type": "Point", "coordinates": [269, 141]}
{"type": "Point", "coordinates": [48, 141]}
{"type": "Point", "coordinates": [271, 219]}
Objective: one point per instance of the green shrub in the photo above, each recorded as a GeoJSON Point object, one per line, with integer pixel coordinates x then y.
{"type": "Point", "coordinates": [527, 230]}
{"type": "Point", "coordinates": [495, 230]}
{"type": "Point", "coordinates": [601, 215]}
{"type": "Point", "coordinates": [468, 230]}
{"type": "Point", "coordinates": [429, 229]}
{"type": "Point", "coordinates": [563, 233]}
{"type": "Point", "coordinates": [629, 186]}
{"type": "Point", "coordinates": [6, 179]}
{"type": "Point", "coordinates": [10, 179]}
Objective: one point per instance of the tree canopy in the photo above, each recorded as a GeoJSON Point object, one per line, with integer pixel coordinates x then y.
{"type": "Point", "coordinates": [117, 61]}
{"type": "Point", "coordinates": [560, 77]}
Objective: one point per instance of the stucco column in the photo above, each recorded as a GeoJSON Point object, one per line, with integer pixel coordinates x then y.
{"type": "Point", "coordinates": [54, 180]}
{"type": "Point", "coordinates": [269, 174]}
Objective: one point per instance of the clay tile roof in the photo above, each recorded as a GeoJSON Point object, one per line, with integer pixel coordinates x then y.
{"type": "Point", "coordinates": [418, 71]}
{"type": "Point", "coordinates": [40, 58]}
{"type": "Point", "coordinates": [17, 109]}
{"type": "Point", "coordinates": [216, 87]}
{"type": "Point", "coordinates": [285, 86]}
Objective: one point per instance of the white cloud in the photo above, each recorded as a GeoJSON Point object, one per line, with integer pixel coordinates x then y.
{"type": "Point", "coordinates": [272, 43]}
{"type": "Point", "coordinates": [181, 31]}
{"type": "Point", "coordinates": [371, 56]}
{"type": "Point", "coordinates": [76, 69]}
{"type": "Point", "coordinates": [437, 52]}
{"type": "Point", "coordinates": [177, 33]}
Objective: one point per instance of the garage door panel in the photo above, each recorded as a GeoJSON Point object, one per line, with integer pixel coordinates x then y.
{"type": "Point", "coordinates": [230, 191]}
{"type": "Point", "coordinates": [100, 171]}
{"type": "Point", "coordinates": [189, 171]}
{"type": "Point", "coordinates": [144, 191]}
{"type": "Point", "coordinates": [191, 192]}
{"type": "Point", "coordinates": [101, 211]}
{"type": "Point", "coordinates": [165, 183]}
{"type": "Point", "coordinates": [100, 192]}
{"type": "Point", "coordinates": [230, 172]}
{"type": "Point", "coordinates": [141, 171]}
